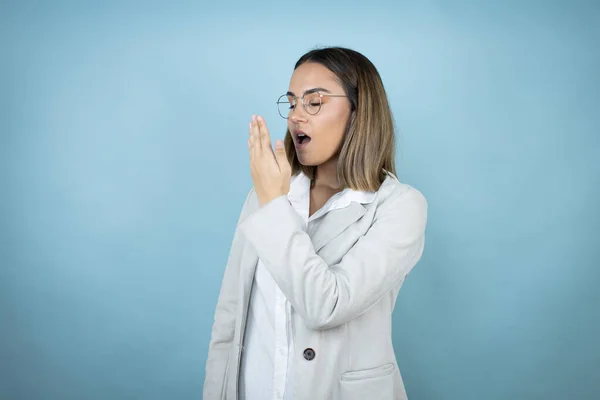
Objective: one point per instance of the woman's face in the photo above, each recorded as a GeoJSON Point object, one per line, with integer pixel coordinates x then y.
{"type": "Point", "coordinates": [325, 130]}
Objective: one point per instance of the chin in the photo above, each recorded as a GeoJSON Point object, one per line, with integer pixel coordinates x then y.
{"type": "Point", "coordinates": [308, 162]}
{"type": "Point", "coordinates": [313, 161]}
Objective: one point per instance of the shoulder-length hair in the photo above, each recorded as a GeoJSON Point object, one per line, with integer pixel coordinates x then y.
{"type": "Point", "coordinates": [367, 150]}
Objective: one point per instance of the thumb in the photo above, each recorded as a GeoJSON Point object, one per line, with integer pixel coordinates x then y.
{"type": "Point", "coordinates": [282, 160]}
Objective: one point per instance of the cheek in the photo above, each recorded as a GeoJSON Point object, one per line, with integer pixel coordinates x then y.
{"type": "Point", "coordinates": [335, 127]}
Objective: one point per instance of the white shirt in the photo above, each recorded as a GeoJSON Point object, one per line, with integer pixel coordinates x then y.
{"type": "Point", "coordinates": [267, 368]}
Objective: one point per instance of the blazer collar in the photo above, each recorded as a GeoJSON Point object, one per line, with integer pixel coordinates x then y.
{"type": "Point", "coordinates": [347, 207]}
{"type": "Point", "coordinates": [352, 206]}
{"type": "Point", "coordinates": [335, 222]}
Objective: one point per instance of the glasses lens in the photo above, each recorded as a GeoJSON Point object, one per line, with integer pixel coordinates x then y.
{"type": "Point", "coordinates": [283, 105]}
{"type": "Point", "coordinates": [312, 103]}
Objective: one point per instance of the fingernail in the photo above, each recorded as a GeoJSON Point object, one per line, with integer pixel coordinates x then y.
{"type": "Point", "coordinates": [259, 118]}
{"type": "Point", "coordinates": [253, 117]}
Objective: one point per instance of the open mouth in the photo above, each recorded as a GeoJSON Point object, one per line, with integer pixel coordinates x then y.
{"type": "Point", "coordinates": [302, 138]}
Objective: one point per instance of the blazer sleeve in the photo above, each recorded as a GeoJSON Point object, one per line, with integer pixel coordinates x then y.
{"type": "Point", "coordinates": [324, 295]}
{"type": "Point", "coordinates": [224, 319]}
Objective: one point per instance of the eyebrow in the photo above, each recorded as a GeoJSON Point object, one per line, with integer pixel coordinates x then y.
{"type": "Point", "coordinates": [319, 89]}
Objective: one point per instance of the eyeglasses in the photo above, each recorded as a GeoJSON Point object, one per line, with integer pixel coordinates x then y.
{"type": "Point", "coordinates": [311, 101]}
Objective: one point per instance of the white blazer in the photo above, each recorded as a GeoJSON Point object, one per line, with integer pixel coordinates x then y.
{"type": "Point", "coordinates": [342, 282]}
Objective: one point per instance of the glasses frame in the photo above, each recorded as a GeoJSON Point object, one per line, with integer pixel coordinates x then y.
{"type": "Point", "coordinates": [296, 98]}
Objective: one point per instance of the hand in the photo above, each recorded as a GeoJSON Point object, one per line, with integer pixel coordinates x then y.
{"type": "Point", "coordinates": [271, 171]}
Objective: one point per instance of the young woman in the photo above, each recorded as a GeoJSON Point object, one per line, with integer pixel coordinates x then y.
{"type": "Point", "coordinates": [325, 240]}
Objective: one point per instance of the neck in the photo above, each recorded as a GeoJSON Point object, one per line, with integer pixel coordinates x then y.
{"type": "Point", "coordinates": [326, 175]}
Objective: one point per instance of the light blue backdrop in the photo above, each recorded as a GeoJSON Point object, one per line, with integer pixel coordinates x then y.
{"type": "Point", "coordinates": [124, 167]}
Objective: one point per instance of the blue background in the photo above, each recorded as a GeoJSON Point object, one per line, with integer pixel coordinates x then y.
{"type": "Point", "coordinates": [124, 166]}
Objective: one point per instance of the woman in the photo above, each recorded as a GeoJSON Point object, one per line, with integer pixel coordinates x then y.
{"type": "Point", "coordinates": [325, 240]}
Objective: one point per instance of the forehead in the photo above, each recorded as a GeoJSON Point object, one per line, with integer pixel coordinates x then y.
{"type": "Point", "coordinates": [312, 75]}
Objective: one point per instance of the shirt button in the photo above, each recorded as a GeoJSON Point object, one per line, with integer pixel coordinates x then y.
{"type": "Point", "coordinates": [309, 354]}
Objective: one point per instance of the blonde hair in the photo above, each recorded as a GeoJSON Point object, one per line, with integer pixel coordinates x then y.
{"type": "Point", "coordinates": [367, 151]}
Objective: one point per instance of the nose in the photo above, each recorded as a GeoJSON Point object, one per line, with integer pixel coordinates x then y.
{"type": "Point", "coordinates": [298, 114]}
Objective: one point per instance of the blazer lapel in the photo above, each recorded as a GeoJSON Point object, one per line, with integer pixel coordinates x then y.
{"type": "Point", "coordinates": [335, 222]}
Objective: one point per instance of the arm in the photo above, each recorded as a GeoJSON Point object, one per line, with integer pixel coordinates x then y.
{"type": "Point", "coordinates": [224, 319]}
{"type": "Point", "coordinates": [329, 295]}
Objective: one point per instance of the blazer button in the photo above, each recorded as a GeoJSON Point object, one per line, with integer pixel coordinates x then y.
{"type": "Point", "coordinates": [309, 354]}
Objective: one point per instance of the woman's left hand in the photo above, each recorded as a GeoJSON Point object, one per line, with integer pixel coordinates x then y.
{"type": "Point", "coordinates": [271, 171]}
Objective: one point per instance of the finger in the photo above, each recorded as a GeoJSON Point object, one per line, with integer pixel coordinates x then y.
{"type": "Point", "coordinates": [256, 143]}
{"type": "Point", "coordinates": [254, 140]}
{"type": "Point", "coordinates": [251, 143]}
{"type": "Point", "coordinates": [281, 156]}
{"type": "Point", "coordinates": [265, 138]}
